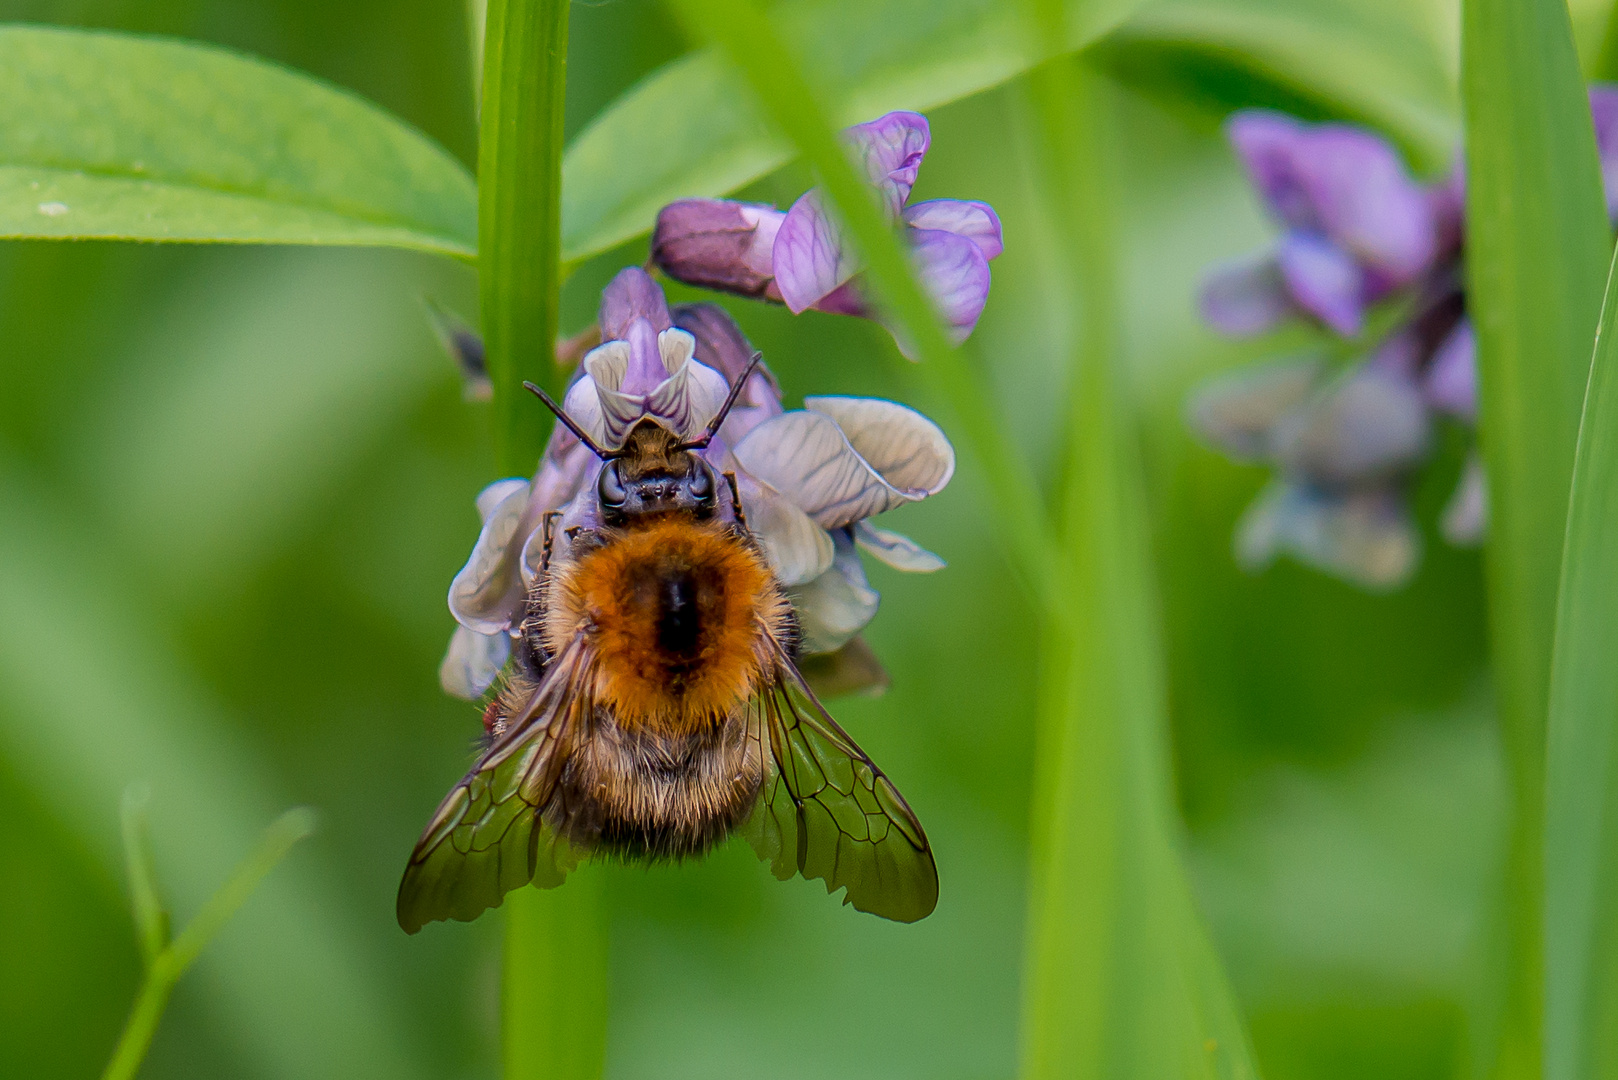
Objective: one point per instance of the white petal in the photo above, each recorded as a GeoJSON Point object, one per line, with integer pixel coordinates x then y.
{"type": "Point", "coordinates": [485, 594]}
{"type": "Point", "coordinates": [836, 605]}
{"type": "Point", "coordinates": [1237, 411]}
{"type": "Point", "coordinates": [472, 662]}
{"type": "Point", "coordinates": [899, 552]}
{"type": "Point", "coordinates": [798, 550]}
{"type": "Point", "coordinates": [495, 494]}
{"type": "Point", "coordinates": [806, 457]}
{"type": "Point", "coordinates": [1364, 537]}
{"type": "Point", "coordinates": [904, 446]}
{"type": "Point", "coordinates": [1465, 520]}
{"type": "Point", "coordinates": [583, 405]}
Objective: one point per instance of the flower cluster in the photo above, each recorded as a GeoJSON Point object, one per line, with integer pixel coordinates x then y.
{"type": "Point", "coordinates": [808, 479]}
{"type": "Point", "coordinates": [802, 258]}
{"type": "Point", "coordinates": [1357, 230]}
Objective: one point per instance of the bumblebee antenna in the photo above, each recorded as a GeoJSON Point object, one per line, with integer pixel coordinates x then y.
{"type": "Point", "coordinates": [724, 410]}
{"type": "Point", "coordinates": [584, 436]}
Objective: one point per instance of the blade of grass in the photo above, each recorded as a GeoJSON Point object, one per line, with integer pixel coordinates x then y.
{"type": "Point", "coordinates": [151, 921]}
{"type": "Point", "coordinates": [556, 940]}
{"type": "Point", "coordinates": [1537, 252]}
{"type": "Point", "coordinates": [171, 960]}
{"type": "Point", "coordinates": [520, 214]}
{"type": "Point", "coordinates": [1581, 801]}
{"type": "Point", "coordinates": [1108, 895]}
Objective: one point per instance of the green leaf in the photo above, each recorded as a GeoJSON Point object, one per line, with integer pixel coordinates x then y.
{"type": "Point", "coordinates": [1538, 244]}
{"type": "Point", "coordinates": [1581, 802]}
{"type": "Point", "coordinates": [694, 129]}
{"type": "Point", "coordinates": [1370, 60]}
{"type": "Point", "coordinates": [115, 137]}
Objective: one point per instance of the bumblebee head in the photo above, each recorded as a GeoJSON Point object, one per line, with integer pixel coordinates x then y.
{"type": "Point", "coordinates": [655, 471]}
{"type": "Point", "coordinates": [654, 474]}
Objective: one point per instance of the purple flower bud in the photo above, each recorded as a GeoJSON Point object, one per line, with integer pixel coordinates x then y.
{"type": "Point", "coordinates": [717, 244]}
{"type": "Point", "coordinates": [802, 258]}
{"type": "Point", "coordinates": [1604, 111]}
{"type": "Point", "coordinates": [1451, 382]}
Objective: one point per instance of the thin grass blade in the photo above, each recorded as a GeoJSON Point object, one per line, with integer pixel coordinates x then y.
{"type": "Point", "coordinates": [1537, 255]}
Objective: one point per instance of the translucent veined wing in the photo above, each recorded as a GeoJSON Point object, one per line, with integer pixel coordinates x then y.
{"type": "Point", "coordinates": [487, 836]}
{"type": "Point", "coordinates": [828, 812]}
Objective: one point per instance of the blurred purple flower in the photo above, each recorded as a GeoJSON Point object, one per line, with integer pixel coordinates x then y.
{"type": "Point", "coordinates": [802, 257]}
{"type": "Point", "coordinates": [1358, 227]}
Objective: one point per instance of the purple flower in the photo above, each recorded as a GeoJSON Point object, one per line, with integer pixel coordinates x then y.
{"type": "Point", "coordinates": [808, 480]}
{"type": "Point", "coordinates": [803, 259]}
{"type": "Point", "coordinates": [1358, 227]}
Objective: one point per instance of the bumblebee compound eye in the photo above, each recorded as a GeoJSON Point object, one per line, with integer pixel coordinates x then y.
{"type": "Point", "coordinates": [610, 488]}
{"type": "Point", "coordinates": [700, 483]}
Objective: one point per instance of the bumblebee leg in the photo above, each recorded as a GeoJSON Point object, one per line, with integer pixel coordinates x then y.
{"type": "Point", "coordinates": [530, 650]}
{"type": "Point", "coordinates": [736, 501]}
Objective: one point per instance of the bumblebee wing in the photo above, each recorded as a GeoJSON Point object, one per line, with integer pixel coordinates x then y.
{"type": "Point", "coordinates": [828, 812]}
{"type": "Point", "coordinates": [487, 836]}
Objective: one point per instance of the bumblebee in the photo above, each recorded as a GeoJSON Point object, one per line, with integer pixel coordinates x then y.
{"type": "Point", "coordinates": [656, 707]}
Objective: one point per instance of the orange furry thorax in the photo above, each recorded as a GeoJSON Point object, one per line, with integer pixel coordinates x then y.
{"type": "Point", "coordinates": [677, 613]}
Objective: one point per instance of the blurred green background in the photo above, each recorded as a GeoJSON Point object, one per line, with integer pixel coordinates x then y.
{"type": "Point", "coordinates": [235, 483]}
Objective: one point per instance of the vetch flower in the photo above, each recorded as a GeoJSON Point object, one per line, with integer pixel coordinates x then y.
{"type": "Point", "coordinates": [808, 480]}
{"type": "Point", "coordinates": [1357, 227]}
{"type": "Point", "coordinates": [1342, 446]}
{"type": "Point", "coordinates": [803, 258]}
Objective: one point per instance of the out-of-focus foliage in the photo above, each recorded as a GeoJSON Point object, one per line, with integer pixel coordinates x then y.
{"type": "Point", "coordinates": [234, 485]}
{"type": "Point", "coordinates": [117, 137]}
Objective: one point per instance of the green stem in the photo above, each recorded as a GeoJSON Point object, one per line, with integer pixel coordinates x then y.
{"type": "Point", "coordinates": [554, 983]}
{"type": "Point", "coordinates": [554, 1005]}
{"type": "Point", "coordinates": [520, 214]}
{"type": "Point", "coordinates": [141, 1026]}
{"type": "Point", "coordinates": [167, 961]}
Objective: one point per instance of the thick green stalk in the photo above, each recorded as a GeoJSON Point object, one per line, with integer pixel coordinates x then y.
{"type": "Point", "coordinates": [554, 998]}
{"type": "Point", "coordinates": [554, 1006]}
{"type": "Point", "coordinates": [1536, 260]}
{"type": "Point", "coordinates": [520, 214]}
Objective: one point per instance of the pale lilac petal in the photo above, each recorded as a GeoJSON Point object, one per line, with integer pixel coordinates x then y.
{"type": "Point", "coordinates": [556, 485]}
{"type": "Point", "coordinates": [1237, 412]}
{"type": "Point", "coordinates": [1452, 377]}
{"type": "Point", "coordinates": [907, 449]}
{"type": "Point", "coordinates": [717, 244]}
{"type": "Point", "coordinates": [1604, 111]}
{"type": "Point", "coordinates": [1343, 182]}
{"type": "Point", "coordinates": [796, 548]}
{"type": "Point", "coordinates": [806, 457]}
{"type": "Point", "coordinates": [1367, 538]}
{"type": "Point", "coordinates": [490, 498]}
{"type": "Point", "coordinates": [955, 274]}
{"type": "Point", "coordinates": [645, 371]}
{"type": "Point", "coordinates": [811, 255]}
{"type": "Point", "coordinates": [721, 345]}
{"type": "Point", "coordinates": [838, 604]}
{"type": "Point", "coordinates": [1246, 297]}
{"type": "Point", "coordinates": [1465, 520]}
{"type": "Point", "coordinates": [486, 593]}
{"type": "Point", "coordinates": [1366, 426]}
{"type": "Point", "coordinates": [1269, 145]}
{"type": "Point", "coordinates": [1324, 280]}
{"type": "Point", "coordinates": [852, 669]}
{"type": "Point", "coordinates": [898, 551]}
{"type": "Point", "coordinates": [976, 221]}
{"type": "Point", "coordinates": [631, 295]}
{"type": "Point", "coordinates": [473, 662]}
{"type": "Point", "coordinates": [890, 149]}
{"type": "Point", "coordinates": [689, 397]}
{"type": "Point", "coordinates": [1366, 201]}
{"type": "Point", "coordinates": [847, 299]}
